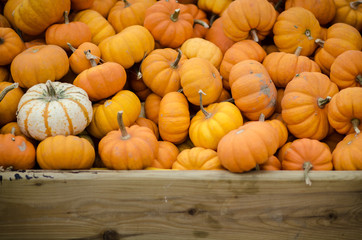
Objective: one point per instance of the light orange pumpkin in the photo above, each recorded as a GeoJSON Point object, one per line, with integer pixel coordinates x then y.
{"type": "Point", "coordinates": [10, 45]}
{"type": "Point", "coordinates": [216, 7]}
{"type": "Point", "coordinates": [144, 122]}
{"type": "Point", "coordinates": [78, 61]}
{"type": "Point", "coordinates": [10, 95]}
{"type": "Point", "coordinates": [152, 107]}
{"type": "Point", "coordinates": [349, 12]}
{"type": "Point", "coordinates": [197, 158]}
{"type": "Point", "coordinates": [348, 153]}
{"type": "Point", "coordinates": [4, 22]}
{"type": "Point", "coordinates": [103, 6]}
{"type": "Point", "coordinates": [167, 155]}
{"type": "Point", "coordinates": [272, 164]}
{"type": "Point", "coordinates": [216, 35]}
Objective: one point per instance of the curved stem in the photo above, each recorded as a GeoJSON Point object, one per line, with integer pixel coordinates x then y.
{"type": "Point", "coordinates": [355, 123]}
{"type": "Point", "coordinates": [126, 3]}
{"type": "Point", "coordinates": [308, 34]}
{"type": "Point", "coordinates": [323, 101]}
{"type": "Point", "coordinates": [51, 91]}
{"type": "Point", "coordinates": [213, 18]}
{"type": "Point", "coordinates": [124, 132]}
{"type": "Point", "coordinates": [174, 65]}
{"type": "Point", "coordinates": [254, 35]}
{"type": "Point", "coordinates": [307, 166]}
{"type": "Point", "coordinates": [298, 51]}
{"type": "Point", "coordinates": [91, 58]}
{"type": "Point", "coordinates": [359, 79]}
{"type": "Point", "coordinates": [174, 16]}
{"type": "Point", "coordinates": [231, 100]}
{"type": "Point", "coordinates": [320, 42]}
{"type": "Point", "coordinates": [207, 114]}
{"type": "Point", "coordinates": [354, 5]}
{"type": "Point", "coordinates": [73, 49]}
{"type": "Point", "coordinates": [8, 89]}
{"type": "Point", "coordinates": [139, 73]}
{"type": "Point", "coordinates": [202, 23]}
{"type": "Point", "coordinates": [66, 17]}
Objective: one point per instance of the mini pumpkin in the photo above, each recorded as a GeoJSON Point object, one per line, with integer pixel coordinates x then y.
{"type": "Point", "coordinates": [349, 12]}
{"type": "Point", "coordinates": [152, 107]}
{"type": "Point", "coordinates": [10, 45]}
{"type": "Point", "coordinates": [167, 155]}
{"type": "Point", "coordinates": [272, 164]}
{"type": "Point", "coordinates": [197, 158]}
{"type": "Point", "coordinates": [103, 6]}
{"type": "Point", "coordinates": [348, 153]}
{"type": "Point", "coordinates": [216, 7]}
{"type": "Point", "coordinates": [216, 35]}
{"type": "Point", "coordinates": [78, 61]}
{"type": "Point", "coordinates": [10, 95]}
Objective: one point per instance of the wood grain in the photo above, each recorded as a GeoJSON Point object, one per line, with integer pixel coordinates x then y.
{"type": "Point", "coordinates": [129, 205]}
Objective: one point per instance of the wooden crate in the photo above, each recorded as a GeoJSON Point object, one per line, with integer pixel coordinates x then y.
{"type": "Point", "coordinates": [171, 205]}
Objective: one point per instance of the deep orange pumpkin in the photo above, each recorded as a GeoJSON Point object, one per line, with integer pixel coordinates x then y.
{"type": "Point", "coordinates": [348, 153]}
{"type": "Point", "coordinates": [10, 45]}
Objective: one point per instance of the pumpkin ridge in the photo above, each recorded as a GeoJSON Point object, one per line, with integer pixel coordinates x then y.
{"type": "Point", "coordinates": [70, 127]}
{"type": "Point", "coordinates": [26, 127]}
{"type": "Point", "coordinates": [45, 116]}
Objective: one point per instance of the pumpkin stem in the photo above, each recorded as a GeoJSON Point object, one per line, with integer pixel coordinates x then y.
{"type": "Point", "coordinates": [180, 90]}
{"type": "Point", "coordinates": [262, 117]}
{"type": "Point", "coordinates": [202, 23]}
{"type": "Point", "coordinates": [298, 51]}
{"type": "Point", "coordinates": [320, 42]}
{"type": "Point", "coordinates": [355, 123]}
{"type": "Point", "coordinates": [126, 3]}
{"type": "Point", "coordinates": [323, 101]}
{"type": "Point", "coordinates": [174, 16]}
{"type": "Point", "coordinates": [8, 89]}
{"type": "Point", "coordinates": [213, 18]}
{"type": "Point", "coordinates": [359, 79]}
{"type": "Point", "coordinates": [308, 34]}
{"type": "Point", "coordinates": [71, 47]}
{"type": "Point", "coordinates": [2, 40]}
{"type": "Point", "coordinates": [207, 114]}
{"type": "Point", "coordinates": [307, 166]}
{"type": "Point", "coordinates": [254, 35]}
{"type": "Point", "coordinates": [174, 65]}
{"type": "Point", "coordinates": [231, 100]}
{"type": "Point", "coordinates": [51, 91]}
{"type": "Point", "coordinates": [139, 73]}
{"type": "Point", "coordinates": [91, 58]}
{"type": "Point", "coordinates": [354, 5]}
{"type": "Point", "coordinates": [66, 17]}
{"type": "Point", "coordinates": [124, 132]}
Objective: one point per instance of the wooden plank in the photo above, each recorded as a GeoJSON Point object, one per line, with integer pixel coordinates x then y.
{"type": "Point", "coordinates": [38, 204]}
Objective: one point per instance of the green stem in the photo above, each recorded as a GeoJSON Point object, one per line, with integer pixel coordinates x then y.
{"type": "Point", "coordinates": [213, 18]}
{"type": "Point", "coordinates": [174, 65]}
{"type": "Point", "coordinates": [359, 79]}
{"type": "Point", "coordinates": [174, 16]}
{"type": "Point", "coordinates": [91, 58]}
{"type": "Point", "coordinates": [254, 35]}
{"type": "Point", "coordinates": [202, 23]}
{"type": "Point", "coordinates": [7, 90]}
{"type": "Point", "coordinates": [51, 91]}
{"type": "Point", "coordinates": [354, 5]}
{"type": "Point", "coordinates": [124, 132]}
{"type": "Point", "coordinates": [307, 166]}
{"type": "Point", "coordinates": [355, 123]}
{"type": "Point", "coordinates": [207, 114]}
{"type": "Point", "coordinates": [320, 42]}
{"type": "Point", "coordinates": [323, 101]}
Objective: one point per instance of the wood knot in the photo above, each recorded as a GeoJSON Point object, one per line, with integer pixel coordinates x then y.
{"type": "Point", "coordinates": [111, 235]}
{"type": "Point", "coordinates": [193, 211]}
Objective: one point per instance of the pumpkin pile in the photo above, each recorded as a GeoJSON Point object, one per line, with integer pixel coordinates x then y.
{"type": "Point", "coordinates": [208, 84]}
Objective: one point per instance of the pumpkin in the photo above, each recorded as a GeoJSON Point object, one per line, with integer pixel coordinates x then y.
{"type": "Point", "coordinates": [305, 105]}
{"type": "Point", "coordinates": [272, 164]}
{"type": "Point", "coordinates": [345, 111]}
{"type": "Point", "coordinates": [201, 23]}
{"type": "Point", "coordinates": [270, 48]}
{"type": "Point", "coordinates": [216, 7]}
{"type": "Point", "coordinates": [323, 10]}
{"type": "Point", "coordinates": [10, 96]}
{"type": "Point", "coordinates": [9, 9]}
{"type": "Point", "coordinates": [174, 118]}
{"type": "Point", "coordinates": [169, 23]}
{"type": "Point", "coordinates": [14, 127]}
{"type": "Point", "coordinates": [128, 12]}
{"type": "Point", "coordinates": [43, 62]}
{"type": "Point", "coordinates": [333, 139]}
{"type": "Point", "coordinates": [10, 45]}
{"type": "Point", "coordinates": [167, 155]}
{"type": "Point", "coordinates": [65, 152]}
{"type": "Point", "coordinates": [240, 51]}
{"type": "Point", "coordinates": [74, 33]}
{"type": "Point", "coordinates": [252, 89]}
{"type": "Point", "coordinates": [349, 12]}
{"type": "Point", "coordinates": [197, 158]}
{"type": "Point", "coordinates": [259, 141]}
{"type": "Point", "coordinates": [296, 27]}
{"type": "Point", "coordinates": [98, 25]}
{"type": "Point", "coordinates": [4, 74]}
{"type": "Point", "coordinates": [128, 148]}
{"type": "Point", "coordinates": [35, 16]}
{"type": "Point", "coordinates": [35, 42]}
{"type": "Point", "coordinates": [282, 67]}
{"type": "Point", "coordinates": [103, 6]}
{"type": "Point", "coordinates": [210, 124]}
{"type": "Point", "coordinates": [152, 107]}
{"type": "Point", "coordinates": [101, 81]}
{"type": "Point", "coordinates": [78, 5]}
{"type": "Point", "coordinates": [199, 73]}
{"type": "Point", "coordinates": [16, 152]}
{"type": "Point", "coordinates": [348, 153]}
{"type": "Point", "coordinates": [225, 96]}
{"type": "Point", "coordinates": [127, 47]}
{"type": "Point", "coordinates": [4, 22]}
{"type": "Point", "coordinates": [340, 38]}
{"type": "Point", "coordinates": [160, 70]}
{"type": "Point", "coordinates": [346, 70]}
{"type": "Point", "coordinates": [187, 144]}
{"type": "Point", "coordinates": [144, 122]}
{"type": "Point", "coordinates": [78, 61]}
{"type": "Point", "coordinates": [245, 19]}
{"type": "Point", "coordinates": [281, 129]}
{"type": "Point", "coordinates": [216, 35]}
{"type": "Point", "coordinates": [53, 108]}
{"type": "Point", "coordinates": [136, 83]}
{"type": "Point", "coordinates": [199, 47]}
{"type": "Point", "coordinates": [307, 154]}
{"type": "Point", "coordinates": [281, 151]}
{"type": "Point", "coordinates": [105, 113]}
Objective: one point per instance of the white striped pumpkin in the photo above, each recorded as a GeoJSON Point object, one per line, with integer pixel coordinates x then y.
{"type": "Point", "coordinates": [54, 108]}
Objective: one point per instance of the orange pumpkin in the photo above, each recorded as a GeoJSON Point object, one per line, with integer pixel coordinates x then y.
{"type": "Point", "coordinates": [74, 33]}
{"type": "Point", "coordinates": [296, 27]}
{"type": "Point", "coordinates": [34, 42]}
{"type": "Point", "coordinates": [281, 129]}
{"type": "Point", "coordinates": [169, 23]}
{"type": "Point", "coordinates": [333, 139]}
{"type": "Point", "coordinates": [216, 35]}
{"type": "Point", "coordinates": [216, 7]}
{"type": "Point", "coordinates": [4, 74]}
{"type": "Point", "coordinates": [345, 111]}
{"type": "Point", "coordinates": [13, 126]}
{"type": "Point", "coordinates": [282, 67]}
{"type": "Point", "coordinates": [10, 96]}
{"type": "Point", "coordinates": [174, 118]}
{"type": "Point", "coordinates": [199, 73]}
{"type": "Point", "coordinates": [9, 9]}
{"type": "Point", "coordinates": [253, 91]}
{"type": "Point", "coordinates": [128, 148]}
{"type": "Point", "coordinates": [10, 45]}
{"type": "Point", "coordinates": [65, 152]}
{"type": "Point", "coordinates": [103, 6]}
{"type": "Point", "coordinates": [136, 83]}
{"type": "Point", "coordinates": [160, 70]}
{"type": "Point", "coordinates": [4, 22]}
{"type": "Point", "coordinates": [144, 122]}
{"type": "Point", "coordinates": [78, 5]}
{"type": "Point", "coordinates": [152, 107]}
{"type": "Point", "coordinates": [346, 70]}
{"type": "Point", "coordinates": [272, 164]}
{"type": "Point", "coordinates": [305, 105]}
{"type": "Point", "coordinates": [348, 153]}
{"type": "Point", "coordinates": [16, 152]}
{"type": "Point", "coordinates": [167, 155]}
{"type": "Point", "coordinates": [245, 19]}
{"type": "Point", "coordinates": [197, 158]}
{"type": "Point", "coordinates": [280, 95]}
{"type": "Point", "coordinates": [201, 23]}
{"type": "Point", "coordinates": [349, 12]}
{"type": "Point", "coordinates": [78, 61]}
{"type": "Point", "coordinates": [43, 62]}
{"type": "Point", "coordinates": [259, 141]}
